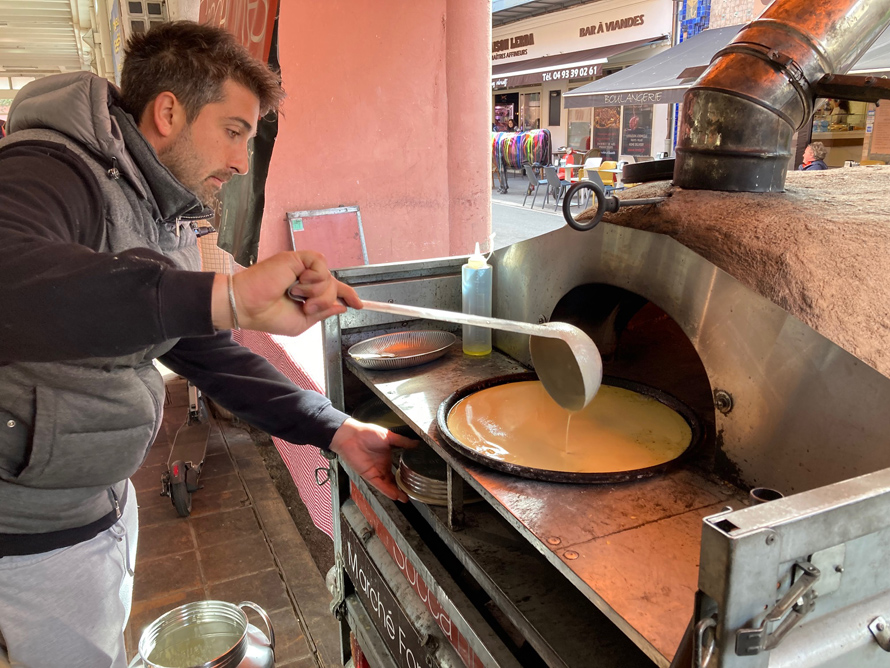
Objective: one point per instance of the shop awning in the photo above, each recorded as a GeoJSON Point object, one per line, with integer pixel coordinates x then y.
{"type": "Point", "coordinates": [876, 60]}
{"type": "Point", "coordinates": [664, 78]}
{"type": "Point", "coordinates": [661, 79]}
{"type": "Point", "coordinates": [574, 65]}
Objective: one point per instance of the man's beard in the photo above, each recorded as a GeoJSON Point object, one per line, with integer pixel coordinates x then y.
{"type": "Point", "coordinates": [185, 164]}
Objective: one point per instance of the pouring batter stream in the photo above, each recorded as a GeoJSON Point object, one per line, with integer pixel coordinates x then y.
{"type": "Point", "coordinates": [619, 430]}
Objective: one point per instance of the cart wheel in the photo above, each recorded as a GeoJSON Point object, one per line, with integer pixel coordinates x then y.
{"type": "Point", "coordinates": [182, 498]}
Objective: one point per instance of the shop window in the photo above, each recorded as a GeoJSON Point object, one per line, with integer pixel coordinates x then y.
{"type": "Point", "coordinates": [607, 131]}
{"type": "Point", "coordinates": [19, 82]}
{"type": "Point", "coordinates": [841, 126]}
{"type": "Point", "coordinates": [555, 108]}
{"type": "Point", "coordinates": [579, 128]}
{"type": "Point", "coordinates": [505, 114]}
{"type": "Point", "coordinates": [530, 111]}
{"type": "Point", "coordinates": [152, 10]}
{"type": "Point", "coordinates": [636, 139]}
{"type": "Point", "coordinates": [840, 116]}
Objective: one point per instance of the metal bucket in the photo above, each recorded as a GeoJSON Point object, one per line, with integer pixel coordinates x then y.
{"type": "Point", "coordinates": [207, 634]}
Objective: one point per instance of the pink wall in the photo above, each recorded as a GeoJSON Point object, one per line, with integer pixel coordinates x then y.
{"type": "Point", "coordinates": [388, 106]}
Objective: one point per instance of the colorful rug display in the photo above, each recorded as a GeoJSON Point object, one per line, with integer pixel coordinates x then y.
{"type": "Point", "coordinates": [511, 150]}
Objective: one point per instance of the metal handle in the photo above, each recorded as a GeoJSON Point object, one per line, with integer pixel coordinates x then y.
{"type": "Point", "coordinates": [701, 654]}
{"type": "Point", "coordinates": [601, 202]}
{"type": "Point", "coordinates": [261, 613]}
{"type": "Point", "coordinates": [796, 604]}
{"type": "Point", "coordinates": [603, 205]}
{"type": "Point", "coordinates": [448, 316]}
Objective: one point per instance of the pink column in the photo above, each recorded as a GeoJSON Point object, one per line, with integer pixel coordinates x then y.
{"type": "Point", "coordinates": [387, 109]}
{"type": "Point", "coordinates": [468, 68]}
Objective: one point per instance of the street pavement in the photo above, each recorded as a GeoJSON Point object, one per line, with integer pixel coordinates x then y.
{"type": "Point", "coordinates": [512, 222]}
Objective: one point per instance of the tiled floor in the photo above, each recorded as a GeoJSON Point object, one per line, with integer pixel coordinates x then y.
{"type": "Point", "coordinates": [239, 543]}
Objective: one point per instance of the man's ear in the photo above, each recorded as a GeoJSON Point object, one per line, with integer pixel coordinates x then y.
{"type": "Point", "coordinates": [163, 118]}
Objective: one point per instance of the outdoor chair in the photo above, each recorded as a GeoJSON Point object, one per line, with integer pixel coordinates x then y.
{"type": "Point", "coordinates": [608, 177]}
{"type": "Point", "coordinates": [589, 165]}
{"type": "Point", "coordinates": [534, 182]}
{"type": "Point", "coordinates": [594, 177]}
{"type": "Point", "coordinates": [556, 184]}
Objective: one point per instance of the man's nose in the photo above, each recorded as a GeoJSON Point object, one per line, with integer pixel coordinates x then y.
{"type": "Point", "coordinates": [239, 161]}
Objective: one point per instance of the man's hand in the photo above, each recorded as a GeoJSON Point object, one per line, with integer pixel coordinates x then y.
{"type": "Point", "coordinates": [260, 294]}
{"type": "Point", "coordinates": [366, 449]}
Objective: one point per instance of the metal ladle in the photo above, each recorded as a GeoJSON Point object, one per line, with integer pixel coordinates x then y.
{"type": "Point", "coordinates": [566, 360]}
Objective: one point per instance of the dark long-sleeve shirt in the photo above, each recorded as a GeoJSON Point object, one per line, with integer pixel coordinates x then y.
{"type": "Point", "coordinates": [62, 300]}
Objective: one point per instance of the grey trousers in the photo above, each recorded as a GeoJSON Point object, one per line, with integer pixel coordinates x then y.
{"type": "Point", "coordinates": [69, 607]}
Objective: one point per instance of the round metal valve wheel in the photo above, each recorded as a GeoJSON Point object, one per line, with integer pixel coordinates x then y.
{"type": "Point", "coordinates": [601, 199]}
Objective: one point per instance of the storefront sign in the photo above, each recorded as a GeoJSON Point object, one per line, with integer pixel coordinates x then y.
{"type": "Point", "coordinates": [571, 73]}
{"type": "Point", "coordinates": [513, 45]}
{"type": "Point", "coordinates": [454, 636]}
{"type": "Point", "coordinates": [637, 136]}
{"type": "Point", "coordinates": [556, 74]}
{"type": "Point", "coordinates": [634, 98]}
{"type": "Point", "coordinates": [117, 41]}
{"type": "Point", "coordinates": [612, 26]}
{"type": "Point", "coordinates": [251, 21]}
{"type": "Point", "coordinates": [579, 28]}
{"type": "Point", "coordinates": [396, 630]}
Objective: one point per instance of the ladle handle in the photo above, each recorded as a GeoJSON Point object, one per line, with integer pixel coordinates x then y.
{"type": "Point", "coordinates": [460, 318]}
{"type": "Point", "coordinates": [449, 316]}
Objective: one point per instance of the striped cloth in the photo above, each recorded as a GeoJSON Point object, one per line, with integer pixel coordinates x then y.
{"type": "Point", "coordinates": [301, 359]}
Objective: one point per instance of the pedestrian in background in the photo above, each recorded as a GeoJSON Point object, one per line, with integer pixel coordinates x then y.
{"type": "Point", "coordinates": [814, 157]}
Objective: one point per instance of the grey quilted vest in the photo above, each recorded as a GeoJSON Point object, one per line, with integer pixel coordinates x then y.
{"type": "Point", "coordinates": [82, 427]}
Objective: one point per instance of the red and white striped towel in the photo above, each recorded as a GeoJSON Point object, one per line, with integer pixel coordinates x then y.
{"type": "Point", "coordinates": [301, 359]}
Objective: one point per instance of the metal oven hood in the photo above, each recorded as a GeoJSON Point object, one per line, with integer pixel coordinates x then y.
{"type": "Point", "coordinates": [738, 120]}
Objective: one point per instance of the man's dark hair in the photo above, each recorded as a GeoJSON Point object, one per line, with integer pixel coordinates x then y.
{"type": "Point", "coordinates": [193, 62]}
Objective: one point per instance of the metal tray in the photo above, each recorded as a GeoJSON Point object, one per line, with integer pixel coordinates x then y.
{"type": "Point", "coordinates": [566, 476]}
{"type": "Point", "coordinates": [401, 349]}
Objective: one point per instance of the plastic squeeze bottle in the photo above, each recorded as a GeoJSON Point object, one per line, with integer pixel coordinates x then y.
{"type": "Point", "coordinates": [476, 292]}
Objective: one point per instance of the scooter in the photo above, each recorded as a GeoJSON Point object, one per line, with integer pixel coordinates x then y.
{"type": "Point", "coordinates": [186, 460]}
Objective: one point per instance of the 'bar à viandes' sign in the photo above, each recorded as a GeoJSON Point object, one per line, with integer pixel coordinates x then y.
{"type": "Point", "coordinates": [399, 635]}
{"type": "Point", "coordinates": [585, 26]}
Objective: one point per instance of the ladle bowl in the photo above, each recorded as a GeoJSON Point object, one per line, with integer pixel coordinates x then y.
{"type": "Point", "coordinates": [569, 367]}
{"type": "Point", "coordinates": [566, 360]}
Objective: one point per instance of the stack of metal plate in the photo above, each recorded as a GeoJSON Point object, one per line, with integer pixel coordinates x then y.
{"type": "Point", "coordinates": [422, 475]}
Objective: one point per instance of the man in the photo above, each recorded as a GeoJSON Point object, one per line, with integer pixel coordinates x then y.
{"type": "Point", "coordinates": [100, 275]}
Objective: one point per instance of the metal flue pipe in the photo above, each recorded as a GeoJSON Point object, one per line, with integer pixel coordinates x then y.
{"type": "Point", "coordinates": [738, 120]}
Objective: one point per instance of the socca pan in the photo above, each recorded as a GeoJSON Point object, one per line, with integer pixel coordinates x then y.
{"type": "Point", "coordinates": [566, 476]}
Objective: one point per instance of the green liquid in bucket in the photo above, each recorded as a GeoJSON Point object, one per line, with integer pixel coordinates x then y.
{"type": "Point", "coordinates": [192, 646]}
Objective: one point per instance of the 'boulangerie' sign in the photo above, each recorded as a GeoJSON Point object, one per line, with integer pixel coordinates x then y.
{"type": "Point", "coordinates": [585, 27]}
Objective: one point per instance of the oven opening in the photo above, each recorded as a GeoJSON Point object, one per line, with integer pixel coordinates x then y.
{"type": "Point", "coordinates": [639, 342]}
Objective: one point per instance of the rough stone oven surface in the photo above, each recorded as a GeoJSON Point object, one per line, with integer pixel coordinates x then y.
{"type": "Point", "coordinates": [820, 250]}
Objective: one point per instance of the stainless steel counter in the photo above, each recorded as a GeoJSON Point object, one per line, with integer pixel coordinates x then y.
{"type": "Point", "coordinates": [632, 548]}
